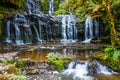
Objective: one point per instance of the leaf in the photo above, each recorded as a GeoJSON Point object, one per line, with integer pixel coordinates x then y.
{"type": "Point", "coordinates": [116, 54]}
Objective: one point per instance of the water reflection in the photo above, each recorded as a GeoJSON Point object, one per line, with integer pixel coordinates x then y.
{"type": "Point", "coordinates": [40, 54]}
{"type": "Point", "coordinates": [75, 53]}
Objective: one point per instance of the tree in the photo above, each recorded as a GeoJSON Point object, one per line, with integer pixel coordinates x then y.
{"type": "Point", "coordinates": [115, 40]}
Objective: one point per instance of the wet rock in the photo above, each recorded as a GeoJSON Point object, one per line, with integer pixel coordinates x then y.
{"type": "Point", "coordinates": [8, 56]}
{"type": "Point", "coordinates": [35, 71]}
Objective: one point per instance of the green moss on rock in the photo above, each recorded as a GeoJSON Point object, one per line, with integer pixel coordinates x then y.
{"type": "Point", "coordinates": [58, 61]}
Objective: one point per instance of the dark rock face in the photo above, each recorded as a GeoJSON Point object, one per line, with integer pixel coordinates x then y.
{"type": "Point", "coordinates": [31, 28]}
{"type": "Point", "coordinates": [13, 3]}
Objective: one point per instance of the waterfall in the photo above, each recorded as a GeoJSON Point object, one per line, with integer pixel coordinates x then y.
{"type": "Point", "coordinates": [88, 29]}
{"type": "Point", "coordinates": [17, 34]}
{"type": "Point", "coordinates": [82, 70]}
{"type": "Point", "coordinates": [32, 6]}
{"type": "Point", "coordinates": [40, 32]}
{"type": "Point", "coordinates": [78, 71]}
{"type": "Point", "coordinates": [92, 29]}
{"type": "Point", "coordinates": [8, 32]}
{"type": "Point", "coordinates": [96, 23]}
{"type": "Point", "coordinates": [33, 27]}
{"type": "Point", "coordinates": [64, 36]}
{"type": "Point", "coordinates": [27, 34]}
{"type": "Point", "coordinates": [69, 29]}
{"type": "Point", "coordinates": [51, 7]}
{"type": "Point", "coordinates": [37, 34]}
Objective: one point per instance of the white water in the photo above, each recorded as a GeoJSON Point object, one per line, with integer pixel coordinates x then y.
{"type": "Point", "coordinates": [69, 29]}
{"type": "Point", "coordinates": [37, 34]}
{"type": "Point", "coordinates": [88, 29]}
{"type": "Point", "coordinates": [104, 70]}
{"type": "Point", "coordinates": [32, 6]}
{"type": "Point", "coordinates": [64, 35]}
{"type": "Point", "coordinates": [17, 34]}
{"type": "Point", "coordinates": [92, 29]}
{"type": "Point", "coordinates": [51, 7]}
{"type": "Point", "coordinates": [80, 70]}
{"type": "Point", "coordinates": [8, 32]}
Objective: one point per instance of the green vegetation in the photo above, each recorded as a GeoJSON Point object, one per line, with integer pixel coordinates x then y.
{"type": "Point", "coordinates": [107, 10]}
{"type": "Point", "coordinates": [9, 7]}
{"type": "Point", "coordinates": [19, 63]}
{"type": "Point", "coordinates": [15, 4]}
{"type": "Point", "coordinates": [44, 5]}
{"type": "Point", "coordinates": [14, 70]}
{"type": "Point", "coordinates": [18, 77]}
{"type": "Point", "coordinates": [80, 8]}
{"type": "Point", "coordinates": [58, 61]}
{"type": "Point", "coordinates": [110, 56]}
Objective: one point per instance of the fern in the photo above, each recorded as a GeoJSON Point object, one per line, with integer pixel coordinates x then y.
{"type": "Point", "coordinates": [116, 54]}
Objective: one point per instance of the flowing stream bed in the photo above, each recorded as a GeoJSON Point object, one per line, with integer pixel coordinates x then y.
{"type": "Point", "coordinates": [78, 69]}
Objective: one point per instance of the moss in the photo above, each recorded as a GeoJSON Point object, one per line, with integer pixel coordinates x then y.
{"type": "Point", "coordinates": [61, 12]}
{"type": "Point", "coordinates": [12, 69]}
{"type": "Point", "coordinates": [58, 61]}
{"type": "Point", "coordinates": [44, 6]}
{"type": "Point", "coordinates": [20, 63]}
{"type": "Point", "coordinates": [18, 77]}
{"type": "Point", "coordinates": [1, 17]}
{"type": "Point", "coordinates": [56, 4]}
{"type": "Point", "coordinates": [16, 4]}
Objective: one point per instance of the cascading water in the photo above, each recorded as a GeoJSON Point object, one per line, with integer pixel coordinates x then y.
{"type": "Point", "coordinates": [32, 26]}
{"type": "Point", "coordinates": [17, 34]}
{"type": "Point", "coordinates": [88, 29]}
{"type": "Point", "coordinates": [8, 32]}
{"type": "Point", "coordinates": [51, 7]}
{"type": "Point", "coordinates": [82, 70]}
{"type": "Point", "coordinates": [93, 29]}
{"type": "Point", "coordinates": [32, 6]}
{"type": "Point", "coordinates": [64, 36]}
{"type": "Point", "coordinates": [69, 29]}
{"type": "Point", "coordinates": [36, 27]}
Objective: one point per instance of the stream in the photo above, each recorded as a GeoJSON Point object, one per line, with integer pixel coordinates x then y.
{"type": "Point", "coordinates": [32, 35]}
{"type": "Point", "coordinates": [78, 69]}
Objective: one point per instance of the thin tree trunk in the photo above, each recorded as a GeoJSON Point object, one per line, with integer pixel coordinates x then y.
{"type": "Point", "coordinates": [113, 33]}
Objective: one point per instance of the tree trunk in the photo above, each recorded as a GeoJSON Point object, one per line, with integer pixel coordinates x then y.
{"type": "Point", "coordinates": [113, 33]}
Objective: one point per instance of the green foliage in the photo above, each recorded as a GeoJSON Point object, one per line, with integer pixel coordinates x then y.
{"type": "Point", "coordinates": [115, 3]}
{"type": "Point", "coordinates": [116, 54]}
{"type": "Point", "coordinates": [18, 77]}
{"type": "Point", "coordinates": [109, 49]}
{"type": "Point", "coordinates": [22, 72]}
{"type": "Point", "coordinates": [8, 61]}
{"type": "Point", "coordinates": [16, 4]}
{"type": "Point", "coordinates": [44, 5]}
{"type": "Point", "coordinates": [78, 7]}
{"type": "Point", "coordinates": [58, 60]}
{"type": "Point", "coordinates": [60, 12]}
{"type": "Point", "coordinates": [20, 63]}
{"type": "Point", "coordinates": [113, 64]}
{"type": "Point", "coordinates": [56, 4]}
{"type": "Point", "coordinates": [112, 56]}
{"type": "Point", "coordinates": [12, 69]}
{"type": "Point", "coordinates": [1, 17]}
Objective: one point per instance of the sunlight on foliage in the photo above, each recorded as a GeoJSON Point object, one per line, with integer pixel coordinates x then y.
{"type": "Point", "coordinates": [78, 7]}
